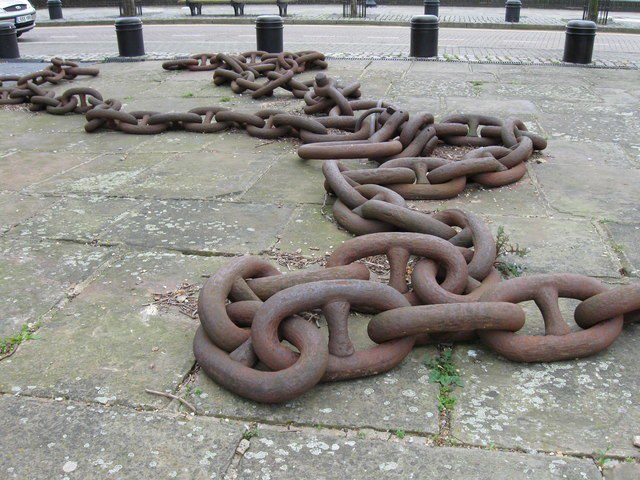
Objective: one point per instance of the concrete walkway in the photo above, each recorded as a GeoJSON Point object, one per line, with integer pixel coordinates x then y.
{"type": "Point", "coordinates": [385, 14]}
{"type": "Point", "coordinates": [93, 225]}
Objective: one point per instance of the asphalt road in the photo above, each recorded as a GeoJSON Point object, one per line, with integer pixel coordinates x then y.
{"type": "Point", "coordinates": [357, 40]}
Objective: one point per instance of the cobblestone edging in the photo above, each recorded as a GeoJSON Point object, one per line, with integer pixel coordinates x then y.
{"type": "Point", "coordinates": [541, 60]}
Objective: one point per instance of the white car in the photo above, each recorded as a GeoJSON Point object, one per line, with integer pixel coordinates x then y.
{"type": "Point", "coordinates": [20, 12]}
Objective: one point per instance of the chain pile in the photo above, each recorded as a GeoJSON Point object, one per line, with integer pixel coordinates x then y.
{"type": "Point", "coordinates": [28, 89]}
{"type": "Point", "coordinates": [241, 71]}
{"type": "Point", "coordinates": [442, 286]}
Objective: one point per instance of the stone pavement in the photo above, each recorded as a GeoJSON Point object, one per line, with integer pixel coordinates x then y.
{"type": "Point", "coordinates": [484, 17]}
{"type": "Point", "coordinates": [93, 225]}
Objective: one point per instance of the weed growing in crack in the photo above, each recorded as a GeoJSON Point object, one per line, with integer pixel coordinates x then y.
{"type": "Point", "coordinates": [400, 433]}
{"type": "Point", "coordinates": [249, 433]}
{"type": "Point", "coordinates": [600, 457]}
{"type": "Point", "coordinates": [9, 344]}
{"type": "Point", "coordinates": [504, 247]}
{"type": "Point", "coordinates": [443, 372]}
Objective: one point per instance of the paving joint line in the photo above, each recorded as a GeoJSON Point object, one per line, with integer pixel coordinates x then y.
{"type": "Point", "coordinates": [337, 430]}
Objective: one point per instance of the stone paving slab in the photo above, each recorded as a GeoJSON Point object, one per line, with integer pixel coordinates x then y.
{"type": "Point", "coordinates": [106, 174]}
{"type": "Point", "coordinates": [72, 441]}
{"type": "Point", "coordinates": [36, 276]}
{"type": "Point", "coordinates": [66, 145]}
{"type": "Point", "coordinates": [621, 471]}
{"type": "Point", "coordinates": [591, 191]}
{"type": "Point", "coordinates": [403, 398]}
{"type": "Point", "coordinates": [202, 226]}
{"type": "Point", "coordinates": [294, 455]}
{"type": "Point", "coordinates": [15, 208]}
{"type": "Point", "coordinates": [42, 122]}
{"type": "Point", "coordinates": [221, 170]}
{"type": "Point", "coordinates": [625, 244]}
{"type": "Point", "coordinates": [111, 342]}
{"type": "Point", "coordinates": [20, 169]}
{"type": "Point", "coordinates": [566, 152]}
{"type": "Point", "coordinates": [586, 406]}
{"type": "Point", "coordinates": [78, 219]}
{"type": "Point", "coordinates": [289, 180]}
{"type": "Point", "coordinates": [306, 235]}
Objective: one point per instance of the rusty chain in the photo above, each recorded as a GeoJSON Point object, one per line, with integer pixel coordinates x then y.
{"type": "Point", "coordinates": [442, 284]}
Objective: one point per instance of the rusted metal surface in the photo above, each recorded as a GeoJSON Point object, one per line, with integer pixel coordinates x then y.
{"type": "Point", "coordinates": [236, 336]}
{"type": "Point", "coordinates": [442, 284]}
{"type": "Point", "coordinates": [559, 342]}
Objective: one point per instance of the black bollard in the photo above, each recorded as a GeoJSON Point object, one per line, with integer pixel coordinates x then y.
{"type": "Point", "coordinates": [269, 30]}
{"type": "Point", "coordinates": [8, 41]}
{"type": "Point", "coordinates": [431, 7]}
{"type": "Point", "coordinates": [424, 36]}
{"type": "Point", "coordinates": [130, 40]}
{"type": "Point", "coordinates": [512, 11]}
{"type": "Point", "coordinates": [578, 41]}
{"type": "Point", "coordinates": [55, 9]}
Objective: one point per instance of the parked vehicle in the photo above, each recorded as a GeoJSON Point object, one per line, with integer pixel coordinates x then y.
{"type": "Point", "coordinates": [20, 12]}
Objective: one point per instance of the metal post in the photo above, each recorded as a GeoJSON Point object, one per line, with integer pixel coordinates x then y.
{"type": "Point", "coordinates": [424, 36]}
{"type": "Point", "coordinates": [8, 41]}
{"type": "Point", "coordinates": [512, 11]}
{"type": "Point", "coordinates": [269, 30]}
{"type": "Point", "coordinates": [130, 40]}
{"type": "Point", "coordinates": [55, 9]}
{"type": "Point", "coordinates": [580, 36]}
{"type": "Point", "coordinates": [431, 7]}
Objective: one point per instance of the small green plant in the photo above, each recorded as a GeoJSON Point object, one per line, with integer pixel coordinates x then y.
{"type": "Point", "coordinates": [187, 95]}
{"type": "Point", "coordinates": [249, 433]}
{"type": "Point", "coordinates": [197, 391]}
{"type": "Point", "coordinates": [503, 248]}
{"type": "Point", "coordinates": [10, 343]}
{"type": "Point", "coordinates": [225, 99]}
{"type": "Point", "coordinates": [362, 435]}
{"type": "Point", "coordinates": [443, 372]}
{"type": "Point", "coordinates": [400, 433]}
{"type": "Point", "coordinates": [601, 457]}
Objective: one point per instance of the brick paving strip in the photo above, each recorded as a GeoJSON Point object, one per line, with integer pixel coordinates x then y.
{"type": "Point", "coordinates": [92, 226]}
{"type": "Point", "coordinates": [469, 17]}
